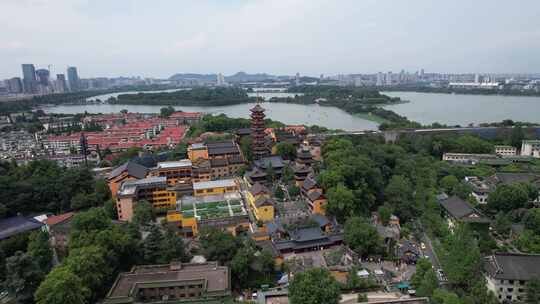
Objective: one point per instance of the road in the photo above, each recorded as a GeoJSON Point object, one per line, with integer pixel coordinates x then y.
{"type": "Point", "coordinates": [429, 251]}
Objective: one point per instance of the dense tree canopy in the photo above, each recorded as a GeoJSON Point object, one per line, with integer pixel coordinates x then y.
{"type": "Point", "coordinates": [42, 186]}
{"type": "Point", "coordinates": [361, 236]}
{"type": "Point", "coordinates": [314, 286]}
{"type": "Point", "coordinates": [506, 198]}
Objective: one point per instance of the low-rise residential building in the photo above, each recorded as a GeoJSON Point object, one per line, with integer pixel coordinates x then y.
{"type": "Point", "coordinates": [530, 148]}
{"type": "Point", "coordinates": [152, 189]}
{"type": "Point", "coordinates": [480, 188]}
{"type": "Point", "coordinates": [457, 210]}
{"type": "Point", "coordinates": [223, 149]}
{"type": "Point", "coordinates": [260, 201]}
{"type": "Point", "coordinates": [174, 171]}
{"type": "Point", "coordinates": [128, 171]}
{"type": "Point", "coordinates": [507, 274]}
{"type": "Point", "coordinates": [215, 187]}
{"type": "Point", "coordinates": [201, 170]}
{"type": "Point", "coordinates": [186, 118]}
{"type": "Point", "coordinates": [175, 283]}
{"type": "Point", "coordinates": [196, 151]}
{"type": "Point", "coordinates": [505, 150]}
{"type": "Point", "coordinates": [468, 158]}
{"type": "Point", "coordinates": [314, 195]}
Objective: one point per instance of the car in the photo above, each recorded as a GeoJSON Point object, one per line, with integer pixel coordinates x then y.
{"type": "Point", "coordinates": [426, 256]}
{"type": "Point", "coordinates": [423, 246]}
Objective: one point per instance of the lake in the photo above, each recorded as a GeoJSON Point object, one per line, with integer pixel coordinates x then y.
{"type": "Point", "coordinates": [329, 117]}
{"type": "Point", "coordinates": [426, 108]}
{"type": "Point", "coordinates": [455, 109]}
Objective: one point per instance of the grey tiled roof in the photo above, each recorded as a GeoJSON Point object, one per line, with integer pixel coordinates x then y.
{"type": "Point", "coordinates": [133, 169]}
{"type": "Point", "coordinates": [513, 266]}
{"type": "Point", "coordinates": [17, 224]}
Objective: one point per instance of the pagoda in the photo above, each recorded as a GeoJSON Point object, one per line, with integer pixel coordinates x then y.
{"type": "Point", "coordinates": [258, 137]}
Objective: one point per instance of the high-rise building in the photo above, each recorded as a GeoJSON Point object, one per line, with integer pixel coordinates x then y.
{"type": "Point", "coordinates": [380, 79]}
{"type": "Point", "coordinates": [258, 137]}
{"type": "Point", "coordinates": [61, 85]}
{"type": "Point", "coordinates": [389, 78]}
{"type": "Point", "coordinates": [14, 85]}
{"type": "Point", "coordinates": [221, 80]}
{"type": "Point", "coordinates": [73, 79]}
{"type": "Point", "coordinates": [43, 76]}
{"type": "Point", "coordinates": [29, 78]}
{"type": "Point", "coordinates": [297, 79]}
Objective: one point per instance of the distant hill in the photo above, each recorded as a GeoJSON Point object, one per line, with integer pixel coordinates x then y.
{"type": "Point", "coordinates": [245, 77]}
{"type": "Point", "coordinates": [193, 76]}
{"type": "Point", "coordinates": [235, 78]}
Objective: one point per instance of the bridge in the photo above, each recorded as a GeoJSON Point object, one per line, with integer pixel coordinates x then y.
{"type": "Point", "coordinates": [393, 135]}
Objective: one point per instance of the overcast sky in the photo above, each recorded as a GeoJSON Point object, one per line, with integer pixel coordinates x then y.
{"type": "Point", "coordinates": [157, 38]}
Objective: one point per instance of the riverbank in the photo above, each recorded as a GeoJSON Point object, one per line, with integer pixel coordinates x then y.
{"type": "Point", "coordinates": [487, 92]}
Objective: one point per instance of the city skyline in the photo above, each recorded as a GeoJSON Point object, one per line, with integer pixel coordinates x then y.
{"type": "Point", "coordinates": [309, 37]}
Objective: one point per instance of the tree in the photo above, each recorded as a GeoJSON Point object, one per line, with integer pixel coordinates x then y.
{"type": "Point", "coordinates": [449, 183]}
{"type": "Point", "coordinates": [279, 194]}
{"type": "Point", "coordinates": [217, 245]}
{"type": "Point", "coordinates": [270, 173]}
{"type": "Point", "coordinates": [89, 264]}
{"type": "Point", "coordinates": [399, 194]}
{"type": "Point", "coordinates": [314, 286]}
{"type": "Point", "coordinates": [341, 202]}
{"type": "Point", "coordinates": [110, 209]}
{"type": "Point", "coordinates": [293, 190]}
{"type": "Point", "coordinates": [528, 241]}
{"type": "Point", "coordinates": [461, 258]}
{"type": "Point", "coordinates": [286, 150]}
{"type": "Point", "coordinates": [516, 137]}
{"type": "Point", "coordinates": [83, 200]}
{"type": "Point", "coordinates": [361, 236]}
{"type": "Point", "coordinates": [103, 193]}
{"type": "Point", "coordinates": [142, 213]}
{"type": "Point", "coordinates": [429, 283]}
{"type": "Point", "coordinates": [287, 175]}
{"type": "Point", "coordinates": [506, 198]}
{"type": "Point", "coordinates": [441, 296]}
{"type": "Point", "coordinates": [245, 146]}
{"type": "Point", "coordinates": [533, 292]}
{"type": "Point", "coordinates": [23, 277]}
{"type": "Point", "coordinates": [39, 249]}
{"type": "Point", "coordinates": [62, 286]}
{"type": "Point", "coordinates": [153, 245]}
{"type": "Point", "coordinates": [172, 248]}
{"type": "Point", "coordinates": [166, 111]}
{"type": "Point", "coordinates": [384, 214]}
{"type": "Point", "coordinates": [502, 224]}
{"type": "Point", "coordinates": [532, 220]}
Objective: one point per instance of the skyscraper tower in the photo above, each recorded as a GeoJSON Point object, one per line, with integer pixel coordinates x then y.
{"type": "Point", "coordinates": [258, 137]}
{"type": "Point", "coordinates": [73, 79]}
{"type": "Point", "coordinates": [43, 76]}
{"type": "Point", "coordinates": [29, 78]}
{"type": "Point", "coordinates": [61, 85]}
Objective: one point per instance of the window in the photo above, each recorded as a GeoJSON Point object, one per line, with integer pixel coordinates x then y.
{"type": "Point", "coordinates": [509, 297]}
{"type": "Point", "coordinates": [510, 289]}
{"type": "Point", "coordinates": [511, 281]}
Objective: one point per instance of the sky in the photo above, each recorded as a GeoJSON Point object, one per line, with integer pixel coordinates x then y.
{"type": "Point", "coordinates": [158, 38]}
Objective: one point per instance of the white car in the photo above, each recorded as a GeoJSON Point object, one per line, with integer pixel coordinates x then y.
{"type": "Point", "coordinates": [423, 246]}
